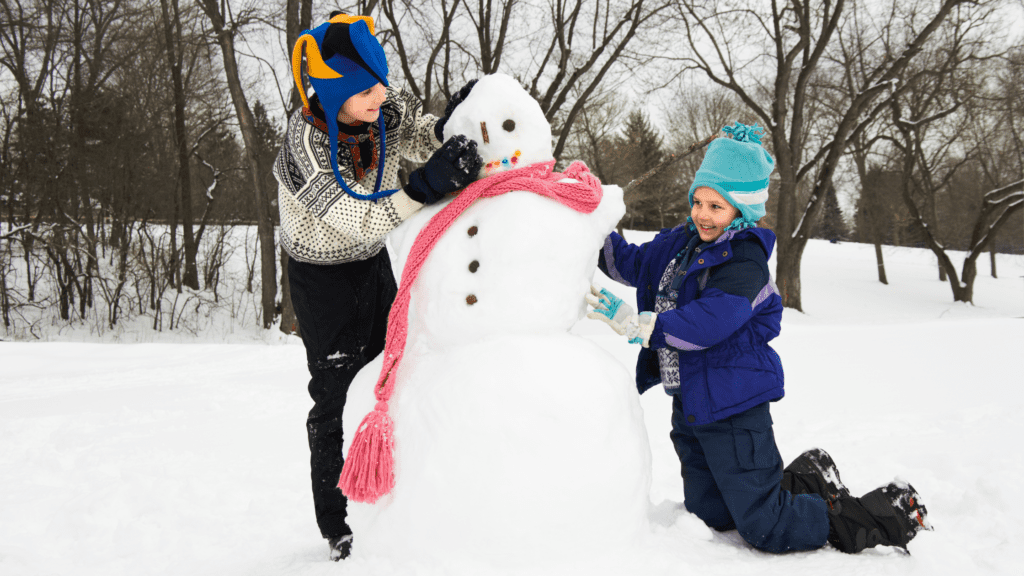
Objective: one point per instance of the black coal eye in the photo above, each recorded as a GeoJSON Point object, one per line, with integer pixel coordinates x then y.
{"type": "Point", "coordinates": [509, 125]}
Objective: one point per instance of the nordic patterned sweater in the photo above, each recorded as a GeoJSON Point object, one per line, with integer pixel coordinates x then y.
{"type": "Point", "coordinates": [320, 223]}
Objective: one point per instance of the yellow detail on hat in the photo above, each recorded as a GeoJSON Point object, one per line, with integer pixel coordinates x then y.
{"type": "Point", "coordinates": [346, 19]}
{"type": "Point", "coordinates": [315, 65]}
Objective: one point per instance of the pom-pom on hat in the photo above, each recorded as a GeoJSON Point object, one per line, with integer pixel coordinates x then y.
{"type": "Point", "coordinates": [343, 58]}
{"type": "Point", "coordinates": [738, 168]}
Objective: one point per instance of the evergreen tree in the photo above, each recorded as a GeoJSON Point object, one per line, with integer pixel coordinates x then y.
{"type": "Point", "coordinates": [832, 226]}
{"type": "Point", "coordinates": [881, 217]}
{"type": "Point", "coordinates": [655, 203]}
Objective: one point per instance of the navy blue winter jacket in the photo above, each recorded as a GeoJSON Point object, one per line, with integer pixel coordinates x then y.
{"type": "Point", "coordinates": [725, 312]}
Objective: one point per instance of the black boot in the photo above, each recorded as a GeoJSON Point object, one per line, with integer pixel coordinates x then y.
{"type": "Point", "coordinates": [814, 472]}
{"type": "Point", "coordinates": [341, 547]}
{"type": "Point", "coordinates": [889, 516]}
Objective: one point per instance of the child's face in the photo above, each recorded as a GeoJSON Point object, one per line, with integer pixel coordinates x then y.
{"type": "Point", "coordinates": [363, 107]}
{"type": "Point", "coordinates": [711, 213]}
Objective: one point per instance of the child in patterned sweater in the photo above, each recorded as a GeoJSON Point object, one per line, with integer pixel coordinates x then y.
{"type": "Point", "coordinates": [338, 197]}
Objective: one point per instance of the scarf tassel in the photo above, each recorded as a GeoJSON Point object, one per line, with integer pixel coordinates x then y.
{"type": "Point", "coordinates": [369, 470]}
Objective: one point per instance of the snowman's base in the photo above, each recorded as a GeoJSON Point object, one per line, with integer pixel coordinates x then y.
{"type": "Point", "coordinates": [512, 450]}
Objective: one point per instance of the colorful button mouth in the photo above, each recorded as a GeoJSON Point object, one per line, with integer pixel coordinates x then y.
{"type": "Point", "coordinates": [503, 163]}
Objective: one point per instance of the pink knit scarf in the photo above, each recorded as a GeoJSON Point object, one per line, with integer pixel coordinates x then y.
{"type": "Point", "coordinates": [368, 473]}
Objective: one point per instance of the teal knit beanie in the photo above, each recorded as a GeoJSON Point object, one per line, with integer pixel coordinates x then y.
{"type": "Point", "coordinates": [738, 168]}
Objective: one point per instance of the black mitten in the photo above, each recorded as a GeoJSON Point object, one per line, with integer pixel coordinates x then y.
{"type": "Point", "coordinates": [455, 100]}
{"type": "Point", "coordinates": [452, 167]}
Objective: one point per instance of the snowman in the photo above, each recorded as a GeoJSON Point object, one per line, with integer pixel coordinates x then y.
{"type": "Point", "coordinates": [515, 441]}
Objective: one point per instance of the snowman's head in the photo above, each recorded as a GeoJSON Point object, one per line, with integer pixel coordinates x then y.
{"type": "Point", "coordinates": [505, 121]}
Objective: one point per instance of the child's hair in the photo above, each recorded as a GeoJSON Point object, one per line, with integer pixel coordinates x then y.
{"type": "Point", "coordinates": [738, 168]}
{"type": "Point", "coordinates": [343, 58]}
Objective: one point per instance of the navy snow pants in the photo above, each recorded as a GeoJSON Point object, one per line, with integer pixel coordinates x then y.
{"type": "Point", "coordinates": [342, 311]}
{"type": "Point", "coordinates": [732, 472]}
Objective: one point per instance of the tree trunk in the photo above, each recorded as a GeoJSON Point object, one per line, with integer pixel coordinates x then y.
{"type": "Point", "coordinates": [881, 263]}
{"type": "Point", "coordinates": [992, 260]}
{"type": "Point", "coordinates": [28, 244]}
{"type": "Point", "coordinates": [790, 247]}
{"type": "Point", "coordinates": [289, 323]}
{"type": "Point", "coordinates": [298, 17]}
{"type": "Point", "coordinates": [172, 38]}
{"type": "Point", "coordinates": [5, 302]}
{"type": "Point", "coordinates": [860, 154]}
{"type": "Point", "coordinates": [966, 288]}
{"type": "Point", "coordinates": [247, 125]}
{"type": "Point", "coordinates": [933, 216]}
{"type": "Point", "coordinates": [788, 273]}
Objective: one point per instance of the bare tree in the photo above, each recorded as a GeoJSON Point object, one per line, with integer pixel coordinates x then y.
{"type": "Point", "coordinates": [730, 42]}
{"type": "Point", "coordinates": [943, 127]}
{"type": "Point", "coordinates": [226, 26]}
{"type": "Point", "coordinates": [584, 48]}
{"type": "Point", "coordinates": [29, 40]}
{"type": "Point", "coordinates": [298, 16]}
{"type": "Point", "coordinates": [174, 44]}
{"type": "Point", "coordinates": [435, 42]}
{"type": "Point", "coordinates": [491, 24]}
{"type": "Point", "coordinates": [695, 114]}
{"type": "Point", "coordinates": [868, 219]}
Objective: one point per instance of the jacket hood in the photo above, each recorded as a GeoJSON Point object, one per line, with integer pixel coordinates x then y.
{"type": "Point", "coordinates": [763, 235]}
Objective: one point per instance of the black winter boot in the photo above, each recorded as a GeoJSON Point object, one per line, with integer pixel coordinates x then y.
{"type": "Point", "coordinates": [341, 547]}
{"type": "Point", "coordinates": [889, 516]}
{"type": "Point", "coordinates": [814, 472]}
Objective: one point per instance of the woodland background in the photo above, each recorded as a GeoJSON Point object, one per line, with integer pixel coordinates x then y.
{"type": "Point", "coordinates": [137, 136]}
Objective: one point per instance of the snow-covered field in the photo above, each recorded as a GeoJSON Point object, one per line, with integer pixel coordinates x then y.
{"type": "Point", "coordinates": [190, 458]}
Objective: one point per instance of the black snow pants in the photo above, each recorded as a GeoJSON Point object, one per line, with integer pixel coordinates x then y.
{"type": "Point", "coordinates": [342, 310]}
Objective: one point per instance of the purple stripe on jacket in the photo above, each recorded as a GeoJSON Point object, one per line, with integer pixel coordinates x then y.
{"type": "Point", "coordinates": [680, 344]}
{"type": "Point", "coordinates": [763, 295]}
{"type": "Point", "coordinates": [609, 260]}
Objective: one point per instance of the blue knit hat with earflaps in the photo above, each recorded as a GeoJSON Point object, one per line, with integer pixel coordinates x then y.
{"type": "Point", "coordinates": [737, 168]}
{"type": "Point", "coordinates": [343, 58]}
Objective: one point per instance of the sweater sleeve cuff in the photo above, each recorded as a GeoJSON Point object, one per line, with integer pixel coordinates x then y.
{"type": "Point", "coordinates": [404, 205]}
{"type": "Point", "coordinates": [657, 340]}
{"type": "Point", "coordinates": [438, 129]}
{"type": "Point", "coordinates": [412, 192]}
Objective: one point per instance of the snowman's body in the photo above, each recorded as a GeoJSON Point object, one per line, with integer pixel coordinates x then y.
{"type": "Point", "coordinates": [515, 441]}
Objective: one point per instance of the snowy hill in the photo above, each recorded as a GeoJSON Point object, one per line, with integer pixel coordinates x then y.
{"type": "Point", "coordinates": [191, 458]}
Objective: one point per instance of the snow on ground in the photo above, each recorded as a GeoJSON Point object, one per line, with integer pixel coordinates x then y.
{"type": "Point", "coordinates": [171, 458]}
